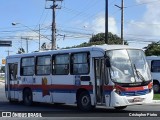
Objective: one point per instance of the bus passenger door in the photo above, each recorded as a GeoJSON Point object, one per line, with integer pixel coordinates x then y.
{"type": "Point", "coordinates": [13, 81]}
{"type": "Point", "coordinates": [99, 80]}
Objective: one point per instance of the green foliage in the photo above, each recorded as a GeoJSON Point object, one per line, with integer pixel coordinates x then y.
{"type": "Point", "coordinates": [99, 39]}
{"type": "Point", "coordinates": [2, 70]}
{"type": "Point", "coordinates": [156, 97]}
{"type": "Point", "coordinates": [21, 50]}
{"type": "Point", "coordinates": [112, 38]}
{"type": "Point", "coordinates": [153, 49]}
{"type": "Point", "coordinates": [44, 46]}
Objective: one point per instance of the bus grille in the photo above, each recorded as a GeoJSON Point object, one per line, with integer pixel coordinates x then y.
{"type": "Point", "coordinates": [135, 93]}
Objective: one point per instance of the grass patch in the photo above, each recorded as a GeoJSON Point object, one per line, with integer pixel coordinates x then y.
{"type": "Point", "coordinates": [156, 97]}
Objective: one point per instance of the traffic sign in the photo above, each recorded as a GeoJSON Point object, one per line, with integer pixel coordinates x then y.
{"type": "Point", "coordinates": [4, 43]}
{"type": "Point", "coordinates": [3, 61]}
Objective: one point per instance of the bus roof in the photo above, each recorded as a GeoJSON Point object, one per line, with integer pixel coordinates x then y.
{"type": "Point", "coordinates": [101, 48]}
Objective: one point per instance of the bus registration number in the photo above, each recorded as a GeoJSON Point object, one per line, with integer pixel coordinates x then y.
{"type": "Point", "coordinates": [137, 99]}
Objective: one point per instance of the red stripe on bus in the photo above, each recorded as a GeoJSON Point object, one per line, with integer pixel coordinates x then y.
{"type": "Point", "coordinates": [149, 86]}
{"type": "Point", "coordinates": [53, 86]}
{"type": "Point", "coordinates": [108, 87]}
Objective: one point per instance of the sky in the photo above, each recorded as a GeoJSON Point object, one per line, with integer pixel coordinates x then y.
{"type": "Point", "coordinates": [76, 22]}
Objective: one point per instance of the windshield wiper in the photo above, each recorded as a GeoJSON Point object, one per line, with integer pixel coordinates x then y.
{"type": "Point", "coordinates": [139, 75]}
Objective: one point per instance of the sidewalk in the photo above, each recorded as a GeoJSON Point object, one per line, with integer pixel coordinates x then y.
{"type": "Point", "coordinates": [2, 81]}
{"type": "Point", "coordinates": [156, 101]}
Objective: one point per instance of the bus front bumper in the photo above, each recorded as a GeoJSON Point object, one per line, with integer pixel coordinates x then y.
{"type": "Point", "coordinates": [117, 100]}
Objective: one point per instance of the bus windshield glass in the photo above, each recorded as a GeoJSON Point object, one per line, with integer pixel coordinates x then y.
{"type": "Point", "coordinates": [128, 66]}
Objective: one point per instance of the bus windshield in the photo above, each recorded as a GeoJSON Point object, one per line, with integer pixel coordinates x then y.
{"type": "Point", "coordinates": [128, 66]}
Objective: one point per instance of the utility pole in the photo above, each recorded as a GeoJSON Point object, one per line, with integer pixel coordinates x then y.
{"type": "Point", "coordinates": [54, 7]}
{"type": "Point", "coordinates": [26, 43]}
{"type": "Point", "coordinates": [8, 51]}
{"type": "Point", "coordinates": [39, 37]}
{"type": "Point", "coordinates": [122, 19]}
{"type": "Point", "coordinates": [106, 23]}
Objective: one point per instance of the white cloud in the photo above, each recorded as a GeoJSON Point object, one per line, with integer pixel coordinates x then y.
{"type": "Point", "coordinates": [149, 23]}
{"type": "Point", "coordinates": [98, 24]}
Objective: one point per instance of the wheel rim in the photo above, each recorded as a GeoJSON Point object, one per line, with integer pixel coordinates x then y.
{"type": "Point", "coordinates": [85, 100]}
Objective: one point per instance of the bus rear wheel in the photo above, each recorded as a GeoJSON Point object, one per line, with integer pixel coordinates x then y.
{"type": "Point", "coordinates": [120, 107]}
{"type": "Point", "coordinates": [156, 87]}
{"type": "Point", "coordinates": [84, 102]}
{"type": "Point", "coordinates": [27, 97]}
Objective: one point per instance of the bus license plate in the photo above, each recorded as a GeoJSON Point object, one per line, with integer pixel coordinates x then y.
{"type": "Point", "coordinates": [137, 99]}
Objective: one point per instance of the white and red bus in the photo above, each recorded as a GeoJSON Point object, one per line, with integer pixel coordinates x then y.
{"type": "Point", "coordinates": [110, 75]}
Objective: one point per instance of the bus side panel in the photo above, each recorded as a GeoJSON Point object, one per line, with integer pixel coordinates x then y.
{"type": "Point", "coordinates": [63, 89]}
{"type": "Point", "coordinates": [42, 89]}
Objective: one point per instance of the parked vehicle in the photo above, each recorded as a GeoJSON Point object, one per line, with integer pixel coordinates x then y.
{"type": "Point", "coordinates": [154, 64]}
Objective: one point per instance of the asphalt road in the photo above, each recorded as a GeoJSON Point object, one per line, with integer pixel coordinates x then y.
{"type": "Point", "coordinates": [71, 112]}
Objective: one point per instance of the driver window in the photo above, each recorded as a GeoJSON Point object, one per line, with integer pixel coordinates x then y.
{"type": "Point", "coordinates": [13, 67]}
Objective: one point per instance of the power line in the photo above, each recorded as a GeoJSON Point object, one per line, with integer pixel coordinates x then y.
{"type": "Point", "coordinates": [82, 12]}
{"type": "Point", "coordinates": [129, 6]}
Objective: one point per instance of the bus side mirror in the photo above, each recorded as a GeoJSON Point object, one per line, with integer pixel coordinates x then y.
{"type": "Point", "coordinates": [108, 64]}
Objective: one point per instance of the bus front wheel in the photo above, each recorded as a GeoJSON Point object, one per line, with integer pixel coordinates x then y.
{"type": "Point", "coordinates": [84, 101]}
{"type": "Point", "coordinates": [27, 97]}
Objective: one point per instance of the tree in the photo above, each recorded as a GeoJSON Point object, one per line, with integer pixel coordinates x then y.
{"type": "Point", "coordinates": [44, 46]}
{"type": "Point", "coordinates": [112, 38]}
{"type": "Point", "coordinates": [2, 69]}
{"type": "Point", "coordinates": [21, 50]}
{"type": "Point", "coordinates": [99, 39]}
{"type": "Point", "coordinates": [153, 49]}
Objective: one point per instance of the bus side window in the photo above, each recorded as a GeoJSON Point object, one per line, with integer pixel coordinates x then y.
{"type": "Point", "coordinates": [155, 66]}
{"type": "Point", "coordinates": [27, 66]}
{"type": "Point", "coordinates": [43, 66]}
{"type": "Point", "coordinates": [80, 63]}
{"type": "Point", "coordinates": [61, 64]}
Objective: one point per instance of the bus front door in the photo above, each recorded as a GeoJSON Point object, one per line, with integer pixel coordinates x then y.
{"type": "Point", "coordinates": [99, 80]}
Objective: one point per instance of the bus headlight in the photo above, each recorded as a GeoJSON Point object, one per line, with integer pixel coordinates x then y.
{"type": "Point", "coordinates": [118, 91]}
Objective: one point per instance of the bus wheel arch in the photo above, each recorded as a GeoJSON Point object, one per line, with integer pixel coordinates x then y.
{"type": "Point", "coordinates": [27, 96]}
{"type": "Point", "coordinates": [84, 100]}
{"type": "Point", "coordinates": [120, 107]}
{"type": "Point", "coordinates": [156, 86]}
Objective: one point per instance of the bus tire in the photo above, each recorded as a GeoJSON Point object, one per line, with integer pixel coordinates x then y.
{"type": "Point", "coordinates": [12, 101]}
{"type": "Point", "coordinates": [84, 101]}
{"type": "Point", "coordinates": [156, 87]}
{"type": "Point", "coordinates": [120, 107]}
{"type": "Point", "coordinates": [27, 97]}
